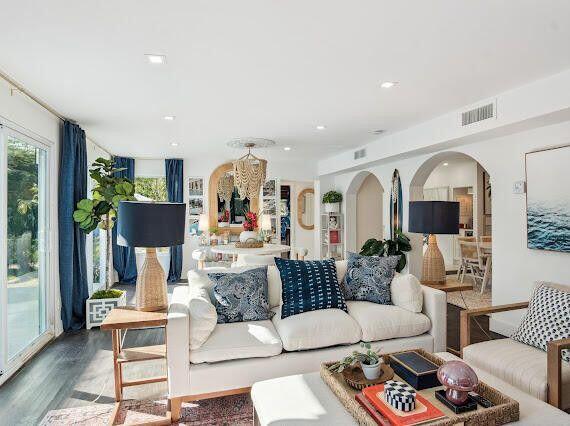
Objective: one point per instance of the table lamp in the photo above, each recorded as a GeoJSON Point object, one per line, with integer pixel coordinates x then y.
{"type": "Point", "coordinates": [266, 226]}
{"type": "Point", "coordinates": [151, 225]}
{"type": "Point", "coordinates": [204, 227]}
{"type": "Point", "coordinates": [433, 217]}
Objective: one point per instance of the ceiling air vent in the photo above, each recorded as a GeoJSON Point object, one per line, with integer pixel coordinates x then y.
{"type": "Point", "coordinates": [478, 114]}
{"type": "Point", "coordinates": [361, 153]}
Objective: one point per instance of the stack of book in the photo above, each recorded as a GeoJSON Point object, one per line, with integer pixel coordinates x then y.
{"type": "Point", "coordinates": [373, 400]}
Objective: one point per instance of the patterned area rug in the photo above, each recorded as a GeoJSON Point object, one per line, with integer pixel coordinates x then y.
{"type": "Point", "coordinates": [234, 410]}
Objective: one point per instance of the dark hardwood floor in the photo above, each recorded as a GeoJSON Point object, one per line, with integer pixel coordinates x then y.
{"type": "Point", "coordinates": [76, 368]}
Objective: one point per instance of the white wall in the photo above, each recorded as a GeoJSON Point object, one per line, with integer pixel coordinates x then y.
{"type": "Point", "coordinates": [515, 267]}
{"type": "Point", "coordinates": [17, 110]}
{"type": "Point", "coordinates": [369, 211]}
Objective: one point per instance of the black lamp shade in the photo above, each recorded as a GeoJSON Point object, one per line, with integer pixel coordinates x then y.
{"type": "Point", "coordinates": [434, 217]}
{"type": "Point", "coordinates": [144, 224]}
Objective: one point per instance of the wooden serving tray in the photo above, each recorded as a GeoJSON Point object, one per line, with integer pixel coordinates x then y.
{"type": "Point", "coordinates": [504, 411]}
{"type": "Point", "coordinates": [356, 379]}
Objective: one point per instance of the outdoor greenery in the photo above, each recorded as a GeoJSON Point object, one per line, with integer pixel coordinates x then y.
{"type": "Point", "coordinates": [332, 197]}
{"type": "Point", "coordinates": [107, 294]}
{"type": "Point", "coordinates": [101, 210]}
{"type": "Point", "coordinates": [152, 187]}
{"type": "Point", "coordinates": [368, 357]}
{"type": "Point", "coordinates": [395, 247]}
{"type": "Point", "coordinates": [22, 208]}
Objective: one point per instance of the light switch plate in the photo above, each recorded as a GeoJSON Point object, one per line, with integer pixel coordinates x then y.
{"type": "Point", "coordinates": [519, 187]}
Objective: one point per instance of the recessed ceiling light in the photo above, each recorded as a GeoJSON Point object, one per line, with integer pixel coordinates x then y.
{"type": "Point", "coordinates": [446, 164]}
{"type": "Point", "coordinates": [173, 143]}
{"type": "Point", "coordinates": [388, 84]}
{"type": "Point", "coordinates": [155, 59]}
{"type": "Point", "coordinates": [321, 127]}
{"type": "Point", "coordinates": [287, 148]}
{"type": "Point", "coordinates": [169, 117]}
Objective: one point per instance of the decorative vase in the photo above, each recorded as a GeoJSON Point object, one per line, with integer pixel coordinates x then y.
{"type": "Point", "coordinates": [372, 371]}
{"type": "Point", "coordinates": [332, 207]}
{"type": "Point", "coordinates": [245, 236]}
{"type": "Point", "coordinates": [97, 309]}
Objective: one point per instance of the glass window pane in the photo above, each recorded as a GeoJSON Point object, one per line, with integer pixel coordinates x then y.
{"type": "Point", "coordinates": [26, 217]}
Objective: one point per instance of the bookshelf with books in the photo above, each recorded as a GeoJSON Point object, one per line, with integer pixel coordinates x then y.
{"type": "Point", "coordinates": [332, 237]}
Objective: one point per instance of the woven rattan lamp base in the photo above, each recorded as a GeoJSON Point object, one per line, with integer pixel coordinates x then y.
{"type": "Point", "coordinates": [151, 292]}
{"type": "Point", "coordinates": [433, 269]}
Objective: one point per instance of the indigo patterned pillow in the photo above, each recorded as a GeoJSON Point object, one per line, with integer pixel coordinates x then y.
{"type": "Point", "coordinates": [308, 286]}
{"type": "Point", "coordinates": [241, 296]}
{"type": "Point", "coordinates": [547, 318]}
{"type": "Point", "coordinates": [369, 277]}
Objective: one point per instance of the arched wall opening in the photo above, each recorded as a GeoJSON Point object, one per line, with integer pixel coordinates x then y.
{"type": "Point", "coordinates": [364, 210]}
{"type": "Point", "coordinates": [452, 176]}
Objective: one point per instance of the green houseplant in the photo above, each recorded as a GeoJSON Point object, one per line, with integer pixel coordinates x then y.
{"type": "Point", "coordinates": [101, 209]}
{"type": "Point", "coordinates": [332, 200]}
{"type": "Point", "coordinates": [398, 246]}
{"type": "Point", "coordinates": [370, 361]}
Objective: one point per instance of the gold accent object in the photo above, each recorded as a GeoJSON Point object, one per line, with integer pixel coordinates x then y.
{"type": "Point", "coordinates": [151, 293]}
{"type": "Point", "coordinates": [433, 268]}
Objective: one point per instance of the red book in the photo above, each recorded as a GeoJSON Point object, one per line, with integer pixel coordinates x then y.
{"type": "Point", "coordinates": [376, 416]}
{"type": "Point", "coordinates": [425, 411]}
{"type": "Point", "coordinates": [334, 237]}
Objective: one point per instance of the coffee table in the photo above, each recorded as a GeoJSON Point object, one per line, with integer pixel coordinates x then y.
{"type": "Point", "coordinates": [304, 399]}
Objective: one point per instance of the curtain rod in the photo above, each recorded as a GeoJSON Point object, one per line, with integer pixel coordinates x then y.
{"type": "Point", "coordinates": [41, 103]}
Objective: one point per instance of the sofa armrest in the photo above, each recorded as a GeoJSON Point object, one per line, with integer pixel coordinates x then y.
{"type": "Point", "coordinates": [178, 343]}
{"type": "Point", "coordinates": [435, 307]}
{"type": "Point", "coordinates": [554, 370]}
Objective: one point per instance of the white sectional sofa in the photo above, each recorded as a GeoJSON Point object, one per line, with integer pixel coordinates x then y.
{"type": "Point", "coordinates": [236, 355]}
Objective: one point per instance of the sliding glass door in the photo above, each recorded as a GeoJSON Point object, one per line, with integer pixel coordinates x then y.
{"type": "Point", "coordinates": [24, 230]}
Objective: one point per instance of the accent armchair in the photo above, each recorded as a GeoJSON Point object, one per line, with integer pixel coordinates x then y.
{"type": "Point", "coordinates": [542, 375]}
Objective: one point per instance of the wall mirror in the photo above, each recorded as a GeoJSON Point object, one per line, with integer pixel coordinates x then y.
{"type": "Point", "coordinates": [226, 208]}
{"type": "Point", "coordinates": [306, 209]}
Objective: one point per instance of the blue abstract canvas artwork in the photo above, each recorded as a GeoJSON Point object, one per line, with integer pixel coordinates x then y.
{"type": "Point", "coordinates": [548, 199]}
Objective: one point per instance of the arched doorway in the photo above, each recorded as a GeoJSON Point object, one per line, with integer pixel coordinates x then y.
{"type": "Point", "coordinates": [454, 176]}
{"type": "Point", "coordinates": [364, 210]}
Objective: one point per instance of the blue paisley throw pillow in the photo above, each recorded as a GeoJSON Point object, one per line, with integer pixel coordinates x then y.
{"type": "Point", "coordinates": [309, 286]}
{"type": "Point", "coordinates": [241, 296]}
{"type": "Point", "coordinates": [369, 277]}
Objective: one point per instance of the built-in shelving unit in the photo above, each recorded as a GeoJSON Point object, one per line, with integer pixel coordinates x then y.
{"type": "Point", "coordinates": [332, 236]}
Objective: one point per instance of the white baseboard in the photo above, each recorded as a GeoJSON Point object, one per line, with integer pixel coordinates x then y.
{"type": "Point", "coordinates": [502, 327]}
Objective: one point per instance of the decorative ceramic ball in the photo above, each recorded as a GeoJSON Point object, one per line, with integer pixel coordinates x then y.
{"type": "Point", "coordinates": [459, 379]}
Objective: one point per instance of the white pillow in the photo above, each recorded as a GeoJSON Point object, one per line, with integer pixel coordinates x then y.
{"type": "Point", "coordinates": [203, 316]}
{"type": "Point", "coordinates": [406, 292]}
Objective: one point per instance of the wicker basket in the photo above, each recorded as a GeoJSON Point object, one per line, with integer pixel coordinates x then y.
{"type": "Point", "coordinates": [504, 411]}
{"type": "Point", "coordinates": [249, 244]}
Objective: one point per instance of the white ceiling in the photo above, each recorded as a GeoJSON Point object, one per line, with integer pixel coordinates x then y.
{"type": "Point", "coordinates": [272, 68]}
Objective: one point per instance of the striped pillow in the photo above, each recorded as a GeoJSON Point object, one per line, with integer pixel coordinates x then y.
{"type": "Point", "coordinates": [309, 286]}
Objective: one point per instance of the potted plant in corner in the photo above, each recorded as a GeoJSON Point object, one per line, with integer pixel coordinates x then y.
{"type": "Point", "coordinates": [332, 200]}
{"type": "Point", "coordinates": [370, 362]}
{"type": "Point", "coordinates": [100, 211]}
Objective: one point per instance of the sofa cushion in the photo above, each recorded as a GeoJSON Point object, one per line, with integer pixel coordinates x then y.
{"type": "Point", "coordinates": [547, 318]}
{"type": "Point", "coordinates": [382, 322]}
{"type": "Point", "coordinates": [369, 277]}
{"type": "Point", "coordinates": [406, 292]}
{"type": "Point", "coordinates": [242, 296]}
{"type": "Point", "coordinates": [316, 329]}
{"type": "Point", "coordinates": [309, 285]}
{"type": "Point", "coordinates": [203, 316]}
{"type": "Point", "coordinates": [521, 365]}
{"type": "Point", "coordinates": [252, 339]}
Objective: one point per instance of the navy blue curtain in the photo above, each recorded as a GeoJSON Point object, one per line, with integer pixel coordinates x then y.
{"type": "Point", "coordinates": [72, 259]}
{"type": "Point", "coordinates": [174, 187]}
{"type": "Point", "coordinates": [124, 258]}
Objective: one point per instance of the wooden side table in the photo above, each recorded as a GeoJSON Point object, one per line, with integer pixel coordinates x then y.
{"type": "Point", "coordinates": [127, 318]}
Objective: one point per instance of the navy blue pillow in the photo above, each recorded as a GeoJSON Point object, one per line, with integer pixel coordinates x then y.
{"type": "Point", "coordinates": [309, 286]}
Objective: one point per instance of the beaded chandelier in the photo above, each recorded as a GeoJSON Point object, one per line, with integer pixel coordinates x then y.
{"type": "Point", "coordinates": [249, 174]}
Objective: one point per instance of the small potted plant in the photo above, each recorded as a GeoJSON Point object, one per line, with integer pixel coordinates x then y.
{"type": "Point", "coordinates": [249, 227]}
{"type": "Point", "coordinates": [332, 200]}
{"type": "Point", "coordinates": [370, 362]}
{"type": "Point", "coordinates": [213, 237]}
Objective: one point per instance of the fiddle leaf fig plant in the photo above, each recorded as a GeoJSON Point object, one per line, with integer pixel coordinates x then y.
{"type": "Point", "coordinates": [101, 209]}
{"type": "Point", "coordinates": [398, 246]}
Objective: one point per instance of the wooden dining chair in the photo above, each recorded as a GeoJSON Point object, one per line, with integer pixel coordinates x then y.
{"type": "Point", "coordinates": [463, 261]}
{"type": "Point", "coordinates": [486, 239]}
{"type": "Point", "coordinates": [485, 260]}
{"type": "Point", "coordinates": [470, 261]}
